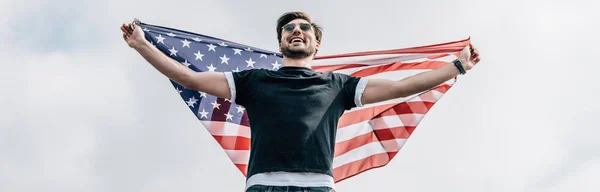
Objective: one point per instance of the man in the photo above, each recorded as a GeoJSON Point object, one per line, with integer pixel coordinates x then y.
{"type": "Point", "coordinates": [294, 111]}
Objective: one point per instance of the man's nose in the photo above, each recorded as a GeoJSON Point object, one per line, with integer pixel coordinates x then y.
{"type": "Point", "coordinates": [296, 31]}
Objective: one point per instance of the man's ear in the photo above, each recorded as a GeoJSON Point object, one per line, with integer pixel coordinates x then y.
{"type": "Point", "coordinates": [317, 45]}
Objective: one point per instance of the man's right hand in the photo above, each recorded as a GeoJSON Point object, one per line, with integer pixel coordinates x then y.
{"type": "Point", "coordinates": [133, 38]}
{"type": "Point", "coordinates": [214, 83]}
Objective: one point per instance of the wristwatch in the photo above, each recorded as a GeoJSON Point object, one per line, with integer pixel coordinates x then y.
{"type": "Point", "coordinates": [460, 67]}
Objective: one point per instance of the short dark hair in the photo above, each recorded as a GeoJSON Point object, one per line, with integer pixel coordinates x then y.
{"type": "Point", "coordinates": [289, 16]}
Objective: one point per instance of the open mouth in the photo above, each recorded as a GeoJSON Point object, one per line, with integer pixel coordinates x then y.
{"type": "Point", "coordinates": [296, 40]}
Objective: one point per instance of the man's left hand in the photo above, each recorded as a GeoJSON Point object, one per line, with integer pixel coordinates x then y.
{"type": "Point", "coordinates": [469, 57]}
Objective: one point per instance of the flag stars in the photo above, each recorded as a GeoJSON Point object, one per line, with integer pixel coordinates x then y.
{"type": "Point", "coordinates": [240, 109]}
{"type": "Point", "coordinates": [203, 114]}
{"type": "Point", "coordinates": [199, 55]}
{"type": "Point", "coordinates": [223, 44]}
{"type": "Point", "coordinates": [263, 55]}
{"type": "Point", "coordinates": [197, 39]}
{"type": "Point", "coordinates": [248, 49]}
{"type": "Point", "coordinates": [211, 47]}
{"type": "Point", "coordinates": [171, 35]}
{"type": "Point", "coordinates": [186, 43]}
{"type": "Point", "coordinates": [211, 68]}
{"type": "Point", "coordinates": [229, 116]}
{"type": "Point", "coordinates": [237, 52]}
{"type": "Point", "coordinates": [276, 65]}
{"type": "Point", "coordinates": [215, 105]}
{"type": "Point", "coordinates": [224, 59]}
{"type": "Point", "coordinates": [173, 51]}
{"type": "Point", "coordinates": [191, 101]}
{"type": "Point", "coordinates": [250, 63]}
{"type": "Point", "coordinates": [160, 39]}
{"type": "Point", "coordinates": [186, 63]}
{"type": "Point", "coordinates": [237, 69]}
{"type": "Point", "coordinates": [202, 94]}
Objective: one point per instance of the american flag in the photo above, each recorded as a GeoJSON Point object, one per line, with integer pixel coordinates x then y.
{"type": "Point", "coordinates": [367, 137]}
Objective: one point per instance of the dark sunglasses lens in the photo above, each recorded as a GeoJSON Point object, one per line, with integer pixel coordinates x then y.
{"type": "Point", "coordinates": [305, 27]}
{"type": "Point", "coordinates": [289, 27]}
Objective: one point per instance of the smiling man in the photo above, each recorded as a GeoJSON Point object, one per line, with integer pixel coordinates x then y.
{"type": "Point", "coordinates": [294, 110]}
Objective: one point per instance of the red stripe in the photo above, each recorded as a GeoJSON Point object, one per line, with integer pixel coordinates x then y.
{"type": "Point", "coordinates": [243, 168]}
{"type": "Point", "coordinates": [233, 142]}
{"type": "Point", "coordinates": [356, 142]}
{"type": "Point", "coordinates": [361, 115]}
{"type": "Point", "coordinates": [399, 66]}
{"type": "Point", "coordinates": [328, 68]}
{"type": "Point", "coordinates": [340, 66]}
{"type": "Point", "coordinates": [455, 46]}
{"type": "Point", "coordinates": [392, 133]}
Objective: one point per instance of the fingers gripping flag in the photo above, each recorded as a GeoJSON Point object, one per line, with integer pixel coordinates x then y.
{"type": "Point", "coordinates": [367, 137]}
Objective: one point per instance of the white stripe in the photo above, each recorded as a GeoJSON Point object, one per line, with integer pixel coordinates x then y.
{"type": "Point", "coordinates": [448, 58]}
{"type": "Point", "coordinates": [373, 59]}
{"type": "Point", "coordinates": [367, 150]}
{"type": "Point", "coordinates": [396, 121]}
{"type": "Point", "coordinates": [239, 156]}
{"type": "Point", "coordinates": [353, 130]}
{"type": "Point", "coordinates": [230, 129]}
{"type": "Point", "coordinates": [367, 126]}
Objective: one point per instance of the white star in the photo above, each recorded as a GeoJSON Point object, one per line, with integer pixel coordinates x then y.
{"type": "Point", "coordinates": [173, 51]}
{"type": "Point", "coordinates": [228, 100]}
{"type": "Point", "coordinates": [211, 68]}
{"type": "Point", "coordinates": [211, 47]}
{"type": "Point", "coordinates": [146, 29]}
{"type": "Point", "coordinates": [199, 55]}
{"type": "Point", "coordinates": [250, 63]}
{"type": "Point", "coordinates": [203, 114]}
{"type": "Point", "coordinates": [178, 90]}
{"type": "Point", "coordinates": [229, 116]}
{"type": "Point", "coordinates": [197, 39]}
{"type": "Point", "coordinates": [191, 102]}
{"type": "Point", "coordinates": [160, 39]}
{"type": "Point", "coordinates": [240, 109]}
{"type": "Point", "coordinates": [215, 105]}
{"type": "Point", "coordinates": [202, 94]}
{"type": "Point", "coordinates": [223, 44]}
{"type": "Point", "coordinates": [224, 59]}
{"type": "Point", "coordinates": [186, 63]}
{"type": "Point", "coordinates": [248, 49]}
{"type": "Point", "coordinates": [186, 43]}
{"type": "Point", "coordinates": [263, 55]}
{"type": "Point", "coordinates": [237, 69]}
{"type": "Point", "coordinates": [237, 52]}
{"type": "Point", "coordinates": [276, 65]}
{"type": "Point", "coordinates": [171, 34]}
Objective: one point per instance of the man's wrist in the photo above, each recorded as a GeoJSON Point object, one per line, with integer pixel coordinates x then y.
{"type": "Point", "coordinates": [458, 64]}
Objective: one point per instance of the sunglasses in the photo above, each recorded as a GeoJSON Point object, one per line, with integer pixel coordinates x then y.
{"type": "Point", "coordinates": [291, 26]}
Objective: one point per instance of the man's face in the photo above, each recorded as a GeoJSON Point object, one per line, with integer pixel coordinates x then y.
{"type": "Point", "coordinates": [298, 39]}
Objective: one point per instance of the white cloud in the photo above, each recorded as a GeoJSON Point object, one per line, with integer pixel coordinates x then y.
{"type": "Point", "coordinates": [91, 115]}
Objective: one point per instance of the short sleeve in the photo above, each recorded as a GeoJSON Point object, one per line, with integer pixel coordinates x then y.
{"type": "Point", "coordinates": [239, 85]}
{"type": "Point", "coordinates": [354, 88]}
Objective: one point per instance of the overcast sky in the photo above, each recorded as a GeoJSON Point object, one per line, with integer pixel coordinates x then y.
{"type": "Point", "coordinates": [80, 111]}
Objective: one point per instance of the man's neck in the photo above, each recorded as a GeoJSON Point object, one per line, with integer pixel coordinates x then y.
{"type": "Point", "coordinates": [305, 62]}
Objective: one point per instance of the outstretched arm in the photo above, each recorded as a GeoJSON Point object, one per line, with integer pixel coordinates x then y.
{"type": "Point", "coordinates": [213, 83]}
{"type": "Point", "coordinates": [378, 90]}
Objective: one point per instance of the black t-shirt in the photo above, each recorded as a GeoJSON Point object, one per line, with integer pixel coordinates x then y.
{"type": "Point", "coordinates": [293, 114]}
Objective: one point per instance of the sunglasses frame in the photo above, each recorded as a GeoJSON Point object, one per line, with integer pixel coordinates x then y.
{"type": "Point", "coordinates": [297, 25]}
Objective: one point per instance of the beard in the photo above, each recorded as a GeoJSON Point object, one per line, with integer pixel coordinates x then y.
{"type": "Point", "coordinates": [297, 54]}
